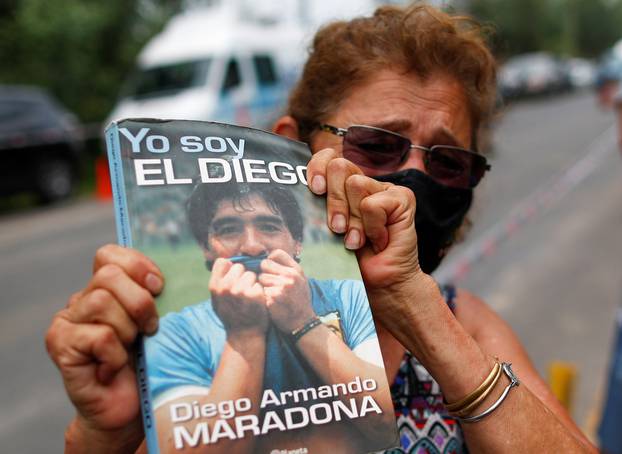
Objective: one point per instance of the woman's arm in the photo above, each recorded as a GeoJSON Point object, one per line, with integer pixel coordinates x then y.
{"type": "Point", "coordinates": [408, 303]}
{"type": "Point", "coordinates": [523, 423]}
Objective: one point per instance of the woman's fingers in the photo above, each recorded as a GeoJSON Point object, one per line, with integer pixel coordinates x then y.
{"type": "Point", "coordinates": [72, 346]}
{"type": "Point", "coordinates": [327, 173]}
{"type": "Point", "coordinates": [136, 301]}
{"type": "Point", "coordinates": [316, 169]}
{"type": "Point", "coordinates": [338, 171]}
{"type": "Point", "coordinates": [358, 187]}
{"type": "Point", "coordinates": [357, 205]}
{"type": "Point", "coordinates": [386, 212]}
{"type": "Point", "coordinates": [374, 219]}
{"type": "Point", "coordinates": [100, 306]}
{"type": "Point", "coordinates": [135, 264]}
{"type": "Point", "coordinates": [106, 347]}
{"type": "Point", "coordinates": [114, 300]}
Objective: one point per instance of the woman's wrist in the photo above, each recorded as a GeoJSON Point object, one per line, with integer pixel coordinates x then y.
{"type": "Point", "coordinates": [426, 327]}
{"type": "Point", "coordinates": [406, 307]}
{"type": "Point", "coordinates": [454, 359]}
{"type": "Point", "coordinates": [81, 437]}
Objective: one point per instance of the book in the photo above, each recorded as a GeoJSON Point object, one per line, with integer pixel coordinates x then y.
{"type": "Point", "coordinates": [266, 340]}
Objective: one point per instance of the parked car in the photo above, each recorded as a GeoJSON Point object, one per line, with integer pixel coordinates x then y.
{"type": "Point", "coordinates": [536, 73]}
{"type": "Point", "coordinates": [581, 72]}
{"type": "Point", "coordinates": [40, 144]}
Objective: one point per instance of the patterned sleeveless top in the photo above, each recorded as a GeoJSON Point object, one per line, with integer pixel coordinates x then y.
{"type": "Point", "coordinates": [423, 422]}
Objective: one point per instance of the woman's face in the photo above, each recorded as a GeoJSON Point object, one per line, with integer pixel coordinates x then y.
{"type": "Point", "coordinates": [431, 112]}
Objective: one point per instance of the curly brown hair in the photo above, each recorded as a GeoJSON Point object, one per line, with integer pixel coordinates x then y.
{"type": "Point", "coordinates": [418, 38]}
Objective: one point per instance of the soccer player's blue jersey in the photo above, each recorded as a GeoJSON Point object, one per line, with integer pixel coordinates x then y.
{"type": "Point", "coordinates": [187, 348]}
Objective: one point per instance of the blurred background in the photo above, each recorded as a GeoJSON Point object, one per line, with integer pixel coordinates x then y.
{"type": "Point", "coordinates": [544, 250]}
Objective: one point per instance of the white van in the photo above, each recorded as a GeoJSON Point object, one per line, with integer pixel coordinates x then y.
{"type": "Point", "coordinates": [207, 64]}
{"type": "Point", "coordinates": [234, 61]}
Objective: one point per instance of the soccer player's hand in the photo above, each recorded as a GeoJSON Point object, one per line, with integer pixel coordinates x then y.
{"type": "Point", "coordinates": [92, 342]}
{"type": "Point", "coordinates": [238, 298]}
{"type": "Point", "coordinates": [287, 291]}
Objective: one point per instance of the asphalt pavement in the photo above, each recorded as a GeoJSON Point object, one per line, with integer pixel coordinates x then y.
{"type": "Point", "coordinates": [557, 280]}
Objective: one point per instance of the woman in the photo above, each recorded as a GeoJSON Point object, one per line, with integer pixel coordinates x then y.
{"type": "Point", "coordinates": [400, 97]}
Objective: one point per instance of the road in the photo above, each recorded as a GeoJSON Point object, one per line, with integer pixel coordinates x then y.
{"type": "Point", "coordinates": [557, 280]}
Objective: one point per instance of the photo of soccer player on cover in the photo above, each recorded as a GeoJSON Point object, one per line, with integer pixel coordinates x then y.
{"type": "Point", "coordinates": [266, 326]}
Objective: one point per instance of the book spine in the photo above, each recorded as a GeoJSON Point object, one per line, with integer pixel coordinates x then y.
{"type": "Point", "coordinates": [124, 235]}
{"type": "Point", "coordinates": [146, 408]}
{"type": "Point", "coordinates": [124, 238]}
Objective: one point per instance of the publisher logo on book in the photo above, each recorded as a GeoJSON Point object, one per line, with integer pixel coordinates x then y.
{"type": "Point", "coordinates": [290, 451]}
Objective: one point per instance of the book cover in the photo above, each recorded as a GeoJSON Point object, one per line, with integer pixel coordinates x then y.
{"type": "Point", "coordinates": [266, 340]}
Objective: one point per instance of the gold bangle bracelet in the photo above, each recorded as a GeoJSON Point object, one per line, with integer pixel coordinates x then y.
{"type": "Point", "coordinates": [457, 406]}
{"type": "Point", "coordinates": [514, 381]}
{"type": "Point", "coordinates": [473, 405]}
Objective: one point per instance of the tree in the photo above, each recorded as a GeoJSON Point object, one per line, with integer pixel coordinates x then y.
{"type": "Point", "coordinates": [80, 50]}
{"type": "Point", "coordinates": [565, 27]}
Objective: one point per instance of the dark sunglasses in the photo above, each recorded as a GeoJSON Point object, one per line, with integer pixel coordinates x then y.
{"type": "Point", "coordinates": [375, 148]}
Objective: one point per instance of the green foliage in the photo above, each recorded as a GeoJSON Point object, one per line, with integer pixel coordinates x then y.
{"type": "Point", "coordinates": [80, 50]}
{"type": "Point", "coordinates": [566, 27]}
{"type": "Point", "coordinates": [597, 24]}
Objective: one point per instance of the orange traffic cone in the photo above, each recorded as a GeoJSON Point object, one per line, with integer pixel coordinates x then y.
{"type": "Point", "coordinates": [103, 187]}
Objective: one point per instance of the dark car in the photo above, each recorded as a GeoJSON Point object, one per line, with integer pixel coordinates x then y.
{"type": "Point", "coordinates": [40, 144]}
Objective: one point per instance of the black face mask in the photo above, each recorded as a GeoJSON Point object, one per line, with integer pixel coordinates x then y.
{"type": "Point", "coordinates": [440, 212]}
